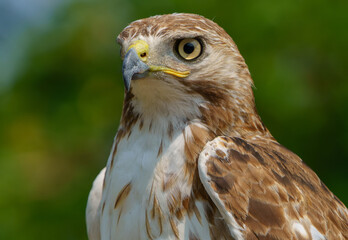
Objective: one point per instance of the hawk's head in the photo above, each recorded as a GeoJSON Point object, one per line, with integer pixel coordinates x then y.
{"type": "Point", "coordinates": [184, 66]}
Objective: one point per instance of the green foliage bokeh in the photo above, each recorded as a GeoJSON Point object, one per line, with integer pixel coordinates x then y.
{"type": "Point", "coordinates": [61, 111]}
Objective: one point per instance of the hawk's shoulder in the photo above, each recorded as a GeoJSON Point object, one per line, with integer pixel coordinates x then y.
{"type": "Point", "coordinates": [264, 190]}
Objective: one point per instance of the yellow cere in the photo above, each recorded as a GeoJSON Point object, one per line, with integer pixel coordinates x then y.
{"type": "Point", "coordinates": [142, 49]}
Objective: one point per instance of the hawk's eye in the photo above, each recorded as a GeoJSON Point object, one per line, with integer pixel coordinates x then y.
{"type": "Point", "coordinates": [189, 48]}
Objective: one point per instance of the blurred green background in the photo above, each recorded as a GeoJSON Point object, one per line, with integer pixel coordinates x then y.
{"type": "Point", "coordinates": [61, 94]}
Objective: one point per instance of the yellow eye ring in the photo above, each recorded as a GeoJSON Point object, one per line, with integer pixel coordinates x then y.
{"type": "Point", "coordinates": [189, 48]}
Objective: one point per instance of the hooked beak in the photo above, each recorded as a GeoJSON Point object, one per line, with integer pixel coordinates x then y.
{"type": "Point", "coordinates": [134, 64]}
{"type": "Point", "coordinates": [131, 66]}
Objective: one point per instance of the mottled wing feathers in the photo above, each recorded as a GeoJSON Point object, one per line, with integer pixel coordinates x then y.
{"type": "Point", "coordinates": [265, 191]}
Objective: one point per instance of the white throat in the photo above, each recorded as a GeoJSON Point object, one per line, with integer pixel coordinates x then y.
{"type": "Point", "coordinates": [164, 102]}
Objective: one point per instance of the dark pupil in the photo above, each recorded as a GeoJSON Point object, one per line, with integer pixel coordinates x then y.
{"type": "Point", "coordinates": [189, 48]}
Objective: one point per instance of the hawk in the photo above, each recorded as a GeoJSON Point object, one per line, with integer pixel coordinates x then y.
{"type": "Point", "coordinates": [192, 158]}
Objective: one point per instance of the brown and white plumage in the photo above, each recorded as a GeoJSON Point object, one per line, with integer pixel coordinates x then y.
{"type": "Point", "coordinates": [93, 207]}
{"type": "Point", "coordinates": [192, 159]}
